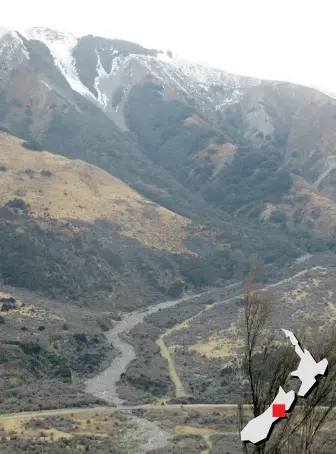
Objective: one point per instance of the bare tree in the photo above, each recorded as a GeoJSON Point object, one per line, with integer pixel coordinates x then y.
{"type": "Point", "coordinates": [266, 366]}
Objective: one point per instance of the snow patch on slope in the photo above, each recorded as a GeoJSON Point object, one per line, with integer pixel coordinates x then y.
{"type": "Point", "coordinates": [12, 51]}
{"type": "Point", "coordinates": [197, 79]}
{"type": "Point", "coordinates": [207, 75]}
{"type": "Point", "coordinates": [61, 46]}
{"type": "Point", "coordinates": [46, 85]}
{"type": "Point", "coordinates": [161, 70]}
{"type": "Point", "coordinates": [119, 63]}
{"type": "Point", "coordinates": [101, 73]}
{"type": "Point", "coordinates": [235, 97]}
{"type": "Point", "coordinates": [190, 78]}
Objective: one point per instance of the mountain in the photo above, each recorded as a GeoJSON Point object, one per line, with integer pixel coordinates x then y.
{"type": "Point", "coordinates": [245, 168]}
{"type": "Point", "coordinates": [105, 70]}
{"type": "Point", "coordinates": [115, 75]}
{"type": "Point", "coordinates": [129, 176]}
{"type": "Point", "coordinates": [67, 123]}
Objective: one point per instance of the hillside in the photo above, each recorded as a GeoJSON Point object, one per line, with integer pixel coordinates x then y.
{"type": "Point", "coordinates": [75, 232]}
{"type": "Point", "coordinates": [57, 188]}
{"type": "Point", "coordinates": [304, 206]}
{"type": "Point", "coordinates": [46, 350]}
{"type": "Point", "coordinates": [71, 229]}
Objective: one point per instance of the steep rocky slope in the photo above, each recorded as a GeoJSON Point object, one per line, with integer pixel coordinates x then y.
{"type": "Point", "coordinates": [58, 188]}
{"type": "Point", "coordinates": [43, 72]}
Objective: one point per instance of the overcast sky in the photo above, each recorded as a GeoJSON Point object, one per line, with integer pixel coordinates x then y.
{"type": "Point", "coordinates": [277, 39]}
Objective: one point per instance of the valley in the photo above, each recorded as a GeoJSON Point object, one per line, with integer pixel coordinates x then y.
{"type": "Point", "coordinates": [203, 425]}
{"type": "Point", "coordinates": [137, 192]}
{"type": "Point", "coordinates": [201, 341]}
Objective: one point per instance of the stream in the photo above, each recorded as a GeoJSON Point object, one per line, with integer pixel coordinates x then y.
{"type": "Point", "coordinates": [104, 385]}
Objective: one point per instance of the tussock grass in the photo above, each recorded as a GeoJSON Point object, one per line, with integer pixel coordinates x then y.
{"type": "Point", "coordinates": [77, 190]}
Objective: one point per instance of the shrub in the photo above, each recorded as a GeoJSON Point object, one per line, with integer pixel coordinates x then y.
{"type": "Point", "coordinates": [28, 111]}
{"type": "Point", "coordinates": [8, 300]}
{"type": "Point", "coordinates": [175, 289]}
{"type": "Point", "coordinates": [298, 215]}
{"type": "Point", "coordinates": [220, 139]}
{"type": "Point", "coordinates": [7, 307]}
{"type": "Point", "coordinates": [46, 173]}
{"type": "Point", "coordinates": [32, 145]}
{"type": "Point", "coordinates": [3, 168]}
{"type": "Point", "coordinates": [316, 212]}
{"type": "Point", "coordinates": [20, 204]}
{"type": "Point", "coordinates": [278, 217]}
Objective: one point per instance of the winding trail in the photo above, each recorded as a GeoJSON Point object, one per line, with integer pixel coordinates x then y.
{"type": "Point", "coordinates": [179, 387]}
{"type": "Point", "coordinates": [165, 352]}
{"type": "Point", "coordinates": [102, 409]}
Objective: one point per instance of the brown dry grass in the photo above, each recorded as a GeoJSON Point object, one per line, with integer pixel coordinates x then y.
{"type": "Point", "coordinates": [101, 424]}
{"type": "Point", "coordinates": [29, 310]}
{"type": "Point", "coordinates": [223, 153]}
{"type": "Point", "coordinates": [77, 190]}
{"type": "Point", "coordinates": [191, 430]}
{"type": "Point", "coordinates": [217, 346]}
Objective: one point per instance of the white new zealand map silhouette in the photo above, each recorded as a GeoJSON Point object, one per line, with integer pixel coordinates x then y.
{"type": "Point", "coordinates": [258, 429]}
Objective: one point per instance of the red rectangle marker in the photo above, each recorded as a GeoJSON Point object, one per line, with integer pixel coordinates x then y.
{"type": "Point", "coordinates": [279, 410]}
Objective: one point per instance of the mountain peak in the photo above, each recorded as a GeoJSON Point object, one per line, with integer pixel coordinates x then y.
{"type": "Point", "coordinates": [4, 30]}
{"type": "Point", "coordinates": [47, 34]}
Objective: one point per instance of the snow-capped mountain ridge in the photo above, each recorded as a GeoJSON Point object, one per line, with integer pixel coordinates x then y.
{"type": "Point", "coordinates": [99, 69]}
{"type": "Point", "coordinates": [105, 71]}
{"type": "Point", "coordinates": [61, 46]}
{"type": "Point", "coordinates": [177, 73]}
{"type": "Point", "coordinates": [12, 53]}
{"type": "Point", "coordinates": [45, 74]}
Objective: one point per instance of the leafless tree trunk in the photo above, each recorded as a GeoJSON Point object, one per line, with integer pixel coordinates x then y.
{"type": "Point", "coordinates": [266, 366]}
